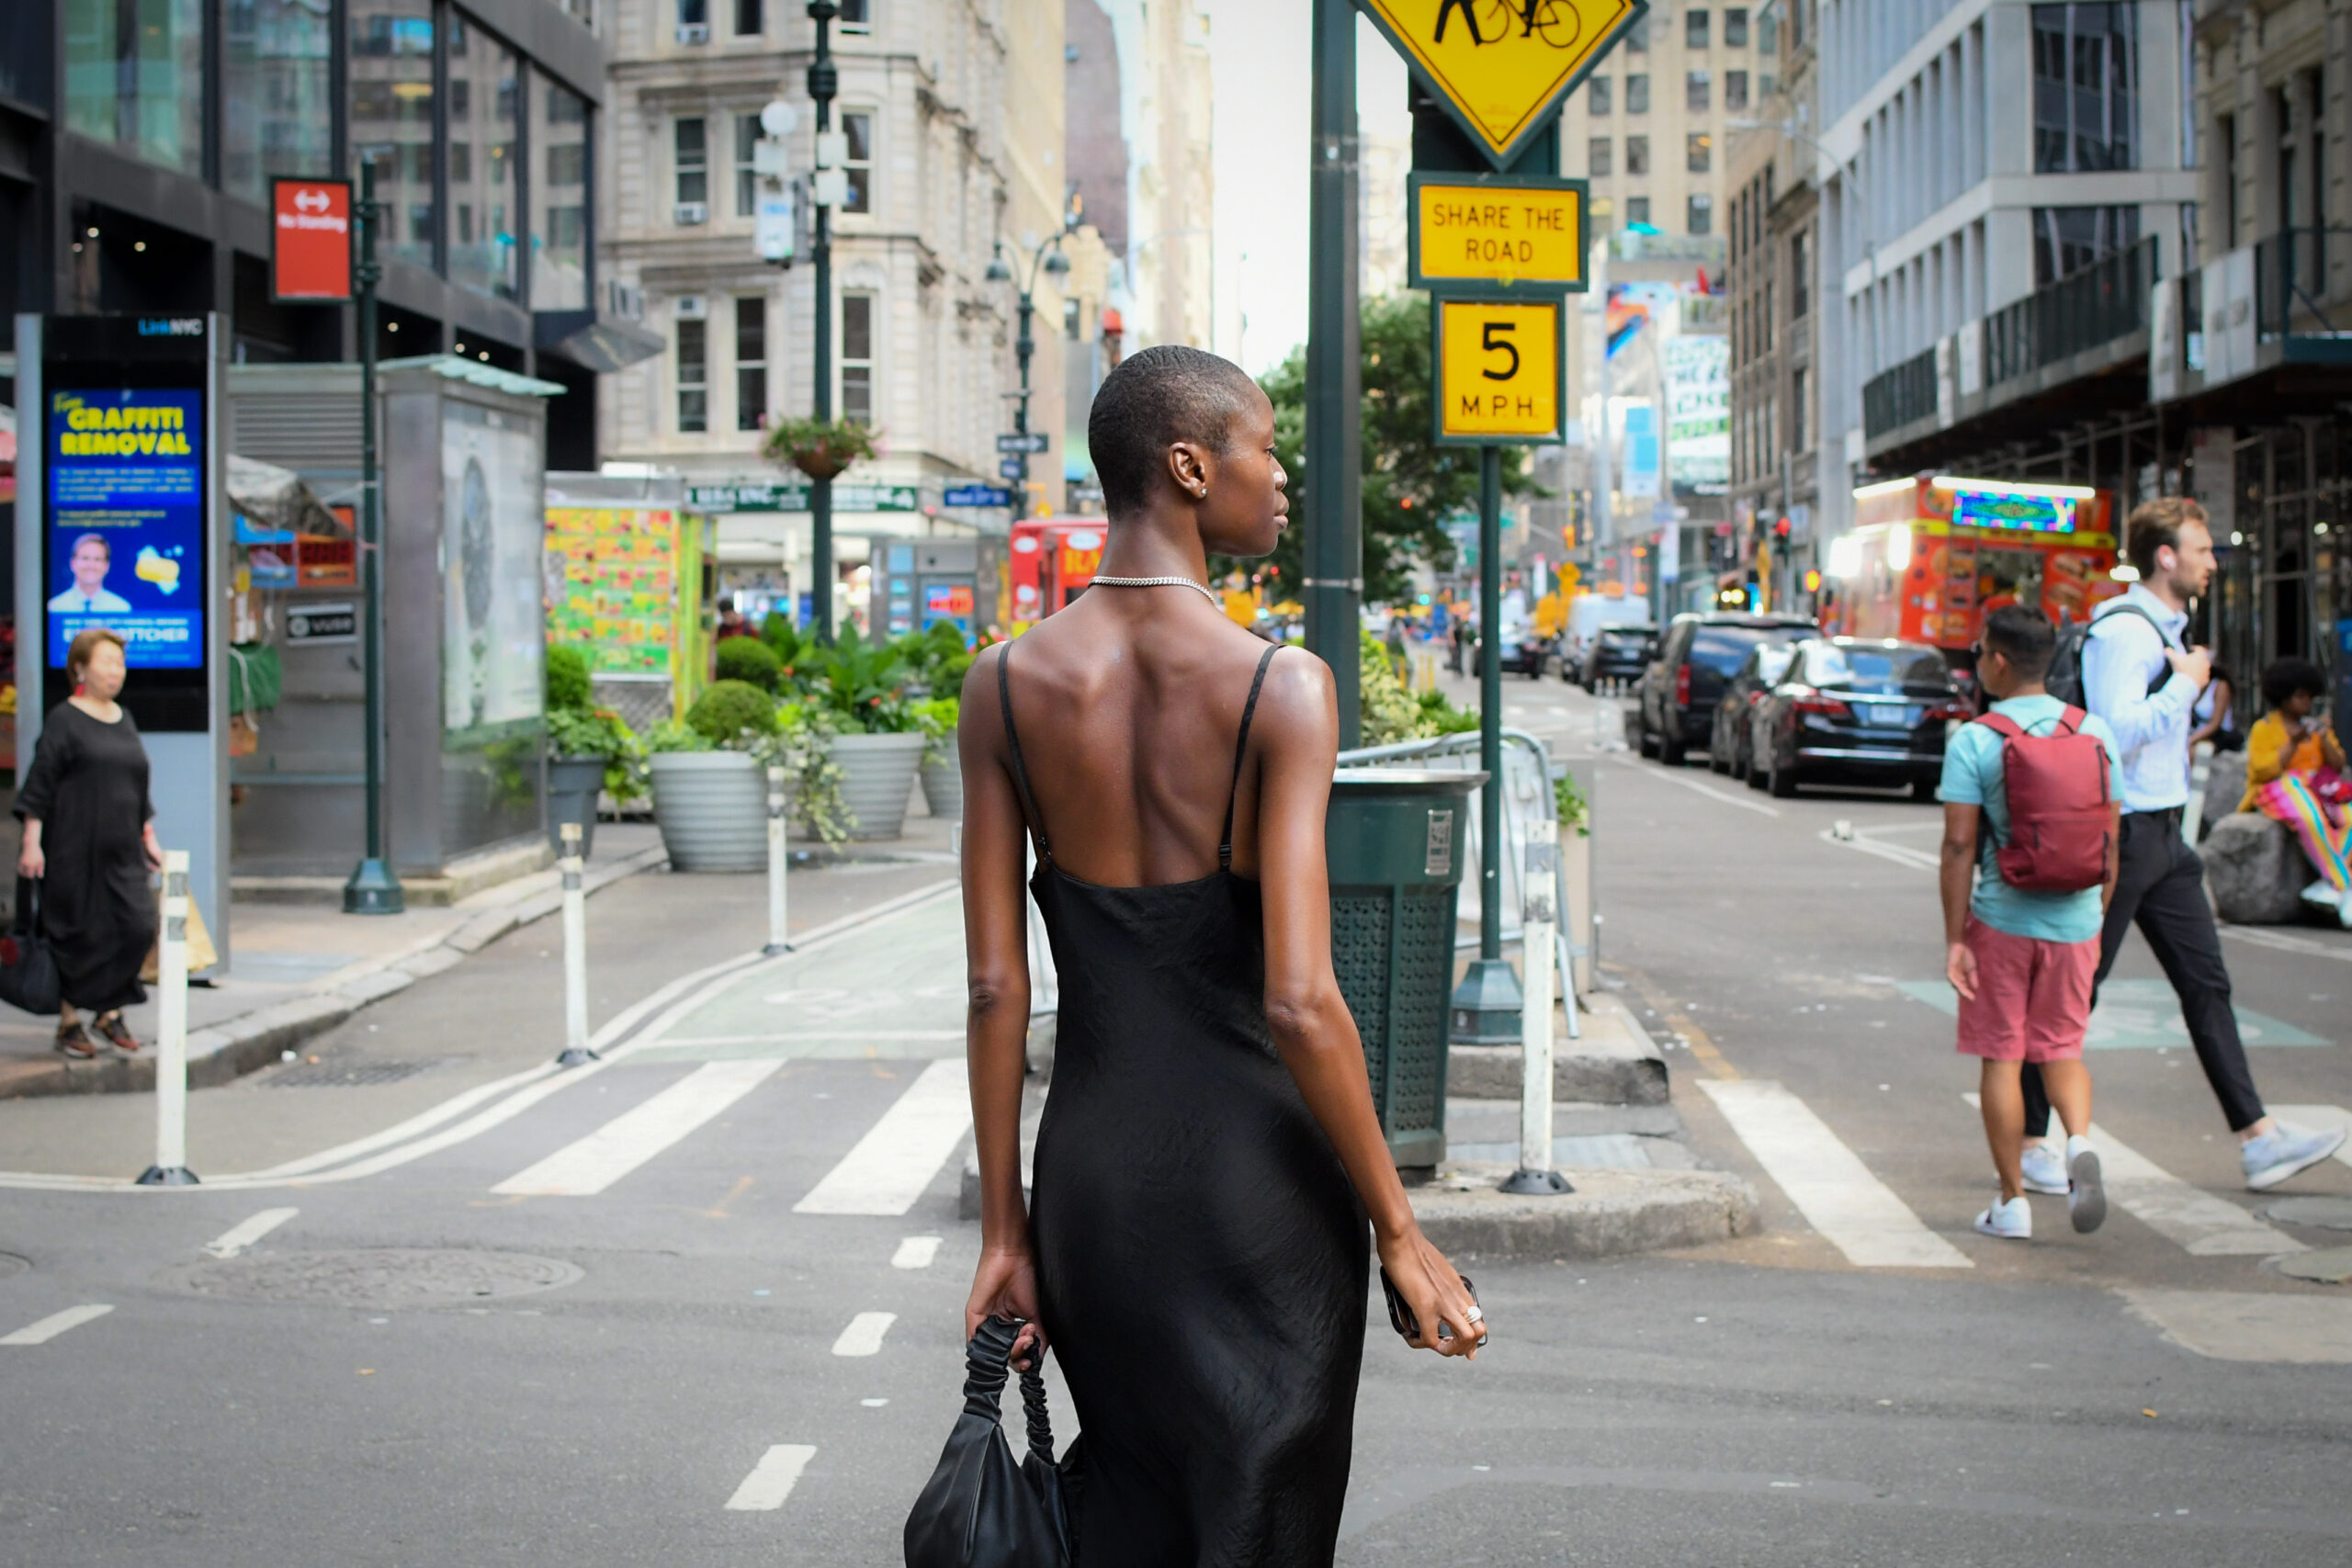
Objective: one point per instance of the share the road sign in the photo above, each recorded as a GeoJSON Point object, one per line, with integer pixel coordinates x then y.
{"type": "Point", "coordinates": [1502, 233]}
{"type": "Point", "coordinates": [1503, 66]}
{"type": "Point", "coordinates": [1499, 371]}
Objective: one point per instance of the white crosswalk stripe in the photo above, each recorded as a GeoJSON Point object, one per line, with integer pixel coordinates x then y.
{"type": "Point", "coordinates": [55, 1324]}
{"type": "Point", "coordinates": [620, 1146]}
{"type": "Point", "coordinates": [773, 1479]}
{"type": "Point", "coordinates": [900, 1154]}
{"type": "Point", "coordinates": [1828, 1181]}
{"type": "Point", "coordinates": [243, 1234]}
{"type": "Point", "coordinates": [915, 1252]}
{"type": "Point", "coordinates": [864, 1334]}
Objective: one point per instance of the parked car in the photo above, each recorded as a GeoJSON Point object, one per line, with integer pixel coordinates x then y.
{"type": "Point", "coordinates": [1616, 658]}
{"type": "Point", "coordinates": [1525, 653]}
{"type": "Point", "coordinates": [1856, 710]}
{"type": "Point", "coordinates": [1732, 748]}
{"type": "Point", "coordinates": [1696, 659]}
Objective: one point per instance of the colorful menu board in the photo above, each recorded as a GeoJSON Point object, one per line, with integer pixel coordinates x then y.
{"type": "Point", "coordinates": [618, 600]}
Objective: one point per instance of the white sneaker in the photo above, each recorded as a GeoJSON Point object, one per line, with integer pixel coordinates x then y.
{"type": "Point", "coordinates": [2045, 1170]}
{"type": "Point", "coordinates": [2008, 1219]}
{"type": "Point", "coordinates": [2344, 910]}
{"type": "Point", "coordinates": [2321, 893]}
{"type": "Point", "coordinates": [2283, 1152]}
{"type": "Point", "coordinates": [2085, 1194]}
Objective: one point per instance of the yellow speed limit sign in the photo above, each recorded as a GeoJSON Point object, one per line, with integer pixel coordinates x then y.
{"type": "Point", "coordinates": [1499, 375]}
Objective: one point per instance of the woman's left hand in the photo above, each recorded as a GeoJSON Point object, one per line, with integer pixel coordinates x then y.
{"type": "Point", "coordinates": [1005, 1285]}
{"type": "Point", "coordinates": [154, 850]}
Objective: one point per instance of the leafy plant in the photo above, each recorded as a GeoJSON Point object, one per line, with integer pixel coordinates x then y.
{"type": "Point", "coordinates": [937, 656]}
{"type": "Point", "coordinates": [567, 676]}
{"type": "Point", "coordinates": [1390, 712]}
{"type": "Point", "coordinates": [677, 735]}
{"type": "Point", "coordinates": [1574, 810]}
{"type": "Point", "coordinates": [601, 732]}
{"type": "Point", "coordinates": [750, 660]}
{"type": "Point", "coordinates": [804, 744]}
{"type": "Point", "coordinates": [862, 686]}
{"type": "Point", "coordinates": [732, 714]}
{"type": "Point", "coordinates": [792, 648]}
{"type": "Point", "coordinates": [937, 718]}
{"type": "Point", "coordinates": [821, 449]}
{"type": "Point", "coordinates": [1440, 716]}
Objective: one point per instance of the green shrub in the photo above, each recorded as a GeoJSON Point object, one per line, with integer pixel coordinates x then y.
{"type": "Point", "coordinates": [1388, 711]}
{"type": "Point", "coordinates": [937, 656]}
{"type": "Point", "coordinates": [729, 710]}
{"type": "Point", "coordinates": [677, 735]}
{"type": "Point", "coordinates": [937, 719]}
{"type": "Point", "coordinates": [862, 686]}
{"type": "Point", "coordinates": [1442, 717]}
{"type": "Point", "coordinates": [567, 678]}
{"type": "Point", "coordinates": [750, 660]}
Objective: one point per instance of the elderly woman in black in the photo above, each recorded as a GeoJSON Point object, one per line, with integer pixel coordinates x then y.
{"type": "Point", "coordinates": [90, 839]}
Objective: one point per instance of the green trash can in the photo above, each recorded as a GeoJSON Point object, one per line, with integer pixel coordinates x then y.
{"type": "Point", "coordinates": [1395, 838]}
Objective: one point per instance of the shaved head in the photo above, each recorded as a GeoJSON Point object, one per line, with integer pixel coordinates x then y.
{"type": "Point", "coordinates": [1156, 398]}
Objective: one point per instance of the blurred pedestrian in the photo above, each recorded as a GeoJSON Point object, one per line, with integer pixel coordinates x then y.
{"type": "Point", "coordinates": [2142, 680]}
{"type": "Point", "coordinates": [2040, 780]}
{"type": "Point", "coordinates": [731, 622]}
{"type": "Point", "coordinates": [2212, 714]}
{"type": "Point", "coordinates": [1395, 641]}
{"type": "Point", "coordinates": [2294, 775]}
{"type": "Point", "coordinates": [89, 840]}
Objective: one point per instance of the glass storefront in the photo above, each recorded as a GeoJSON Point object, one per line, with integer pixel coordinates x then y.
{"type": "Point", "coordinates": [485, 87]}
{"type": "Point", "coordinates": [275, 114]}
{"type": "Point", "coordinates": [134, 77]}
{"type": "Point", "coordinates": [391, 117]}
{"type": "Point", "coordinates": [560, 236]}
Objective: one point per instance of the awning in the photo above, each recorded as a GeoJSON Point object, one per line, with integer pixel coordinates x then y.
{"type": "Point", "coordinates": [277, 499]}
{"type": "Point", "coordinates": [595, 340]}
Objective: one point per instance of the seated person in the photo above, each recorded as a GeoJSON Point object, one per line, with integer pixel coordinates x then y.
{"type": "Point", "coordinates": [2294, 764]}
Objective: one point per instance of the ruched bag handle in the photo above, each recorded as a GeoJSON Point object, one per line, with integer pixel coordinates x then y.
{"type": "Point", "coordinates": [987, 1360]}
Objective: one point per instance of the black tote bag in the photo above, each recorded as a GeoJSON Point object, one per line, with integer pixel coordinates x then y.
{"type": "Point", "coordinates": [28, 969]}
{"type": "Point", "coordinates": [981, 1510]}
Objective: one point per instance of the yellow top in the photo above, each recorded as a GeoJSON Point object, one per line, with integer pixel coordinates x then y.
{"type": "Point", "coordinates": [2271, 752]}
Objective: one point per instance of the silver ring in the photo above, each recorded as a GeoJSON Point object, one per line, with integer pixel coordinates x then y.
{"type": "Point", "coordinates": [1472, 1315]}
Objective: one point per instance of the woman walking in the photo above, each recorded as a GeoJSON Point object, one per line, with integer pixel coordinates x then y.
{"type": "Point", "coordinates": [1209, 1156]}
{"type": "Point", "coordinates": [90, 842]}
{"type": "Point", "coordinates": [2294, 775]}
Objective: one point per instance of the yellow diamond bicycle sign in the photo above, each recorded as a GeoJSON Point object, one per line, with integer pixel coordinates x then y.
{"type": "Point", "coordinates": [1503, 66]}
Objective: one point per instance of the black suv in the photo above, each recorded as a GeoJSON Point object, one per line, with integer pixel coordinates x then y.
{"type": "Point", "coordinates": [1695, 660]}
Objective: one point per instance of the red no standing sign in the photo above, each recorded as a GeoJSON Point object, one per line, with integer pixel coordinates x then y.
{"type": "Point", "coordinates": [310, 240]}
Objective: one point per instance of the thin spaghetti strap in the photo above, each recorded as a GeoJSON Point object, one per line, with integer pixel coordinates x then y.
{"type": "Point", "coordinates": [1240, 747]}
{"type": "Point", "coordinates": [1012, 739]}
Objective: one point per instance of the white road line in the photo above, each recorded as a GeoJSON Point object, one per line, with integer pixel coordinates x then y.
{"type": "Point", "coordinates": [2282, 943]}
{"type": "Point", "coordinates": [588, 1166]}
{"type": "Point", "coordinates": [243, 1234]}
{"type": "Point", "coordinates": [895, 1160]}
{"type": "Point", "coordinates": [772, 1480]}
{"type": "Point", "coordinates": [2318, 1116]}
{"type": "Point", "coordinates": [853, 1036]}
{"type": "Point", "coordinates": [2203, 1224]}
{"type": "Point", "coordinates": [1709, 790]}
{"type": "Point", "coordinates": [864, 1334]}
{"type": "Point", "coordinates": [1917, 860]}
{"type": "Point", "coordinates": [55, 1324]}
{"type": "Point", "coordinates": [915, 1252]}
{"type": "Point", "coordinates": [1828, 1181]}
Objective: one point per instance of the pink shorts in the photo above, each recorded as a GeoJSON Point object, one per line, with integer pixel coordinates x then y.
{"type": "Point", "coordinates": [2034, 997]}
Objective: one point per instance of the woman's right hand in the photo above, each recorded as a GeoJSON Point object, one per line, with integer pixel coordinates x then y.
{"type": "Point", "coordinates": [32, 862]}
{"type": "Point", "coordinates": [1432, 1288]}
{"type": "Point", "coordinates": [1005, 1285]}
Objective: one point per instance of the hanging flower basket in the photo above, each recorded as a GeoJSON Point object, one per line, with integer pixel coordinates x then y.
{"type": "Point", "coordinates": [821, 449]}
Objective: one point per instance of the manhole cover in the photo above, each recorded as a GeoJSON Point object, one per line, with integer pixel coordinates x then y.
{"type": "Point", "coordinates": [345, 1074]}
{"type": "Point", "coordinates": [387, 1277]}
{"type": "Point", "coordinates": [2332, 1266]}
{"type": "Point", "coordinates": [2333, 1214]}
{"type": "Point", "coordinates": [12, 1264]}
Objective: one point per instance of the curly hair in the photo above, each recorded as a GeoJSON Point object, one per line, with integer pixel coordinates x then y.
{"type": "Point", "coordinates": [2285, 677]}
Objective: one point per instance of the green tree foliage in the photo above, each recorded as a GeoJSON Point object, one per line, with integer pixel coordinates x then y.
{"type": "Point", "coordinates": [749, 660]}
{"type": "Point", "coordinates": [1409, 481]}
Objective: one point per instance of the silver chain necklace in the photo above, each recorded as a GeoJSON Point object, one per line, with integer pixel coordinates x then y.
{"type": "Point", "coordinates": [1200, 588]}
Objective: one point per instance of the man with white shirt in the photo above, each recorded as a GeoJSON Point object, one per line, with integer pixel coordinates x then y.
{"type": "Point", "coordinates": [2140, 677]}
{"type": "Point", "coordinates": [91, 560]}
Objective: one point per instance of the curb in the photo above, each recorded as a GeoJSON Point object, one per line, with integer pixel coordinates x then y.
{"type": "Point", "coordinates": [1616, 1063]}
{"type": "Point", "coordinates": [1610, 1213]}
{"type": "Point", "coordinates": [223, 1052]}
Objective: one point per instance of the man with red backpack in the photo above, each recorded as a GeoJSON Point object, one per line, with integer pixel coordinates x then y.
{"type": "Point", "coordinates": [2032, 817]}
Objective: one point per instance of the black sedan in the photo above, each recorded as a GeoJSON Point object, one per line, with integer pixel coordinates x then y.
{"type": "Point", "coordinates": [1731, 751]}
{"type": "Point", "coordinates": [1617, 656]}
{"type": "Point", "coordinates": [1675, 699]}
{"type": "Point", "coordinates": [1856, 710]}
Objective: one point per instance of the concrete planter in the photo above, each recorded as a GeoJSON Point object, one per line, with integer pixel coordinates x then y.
{"type": "Point", "coordinates": [573, 784]}
{"type": "Point", "coordinates": [713, 810]}
{"type": "Point", "coordinates": [943, 783]}
{"type": "Point", "coordinates": [877, 778]}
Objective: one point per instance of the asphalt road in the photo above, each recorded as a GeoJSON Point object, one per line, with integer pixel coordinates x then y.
{"type": "Point", "coordinates": [608, 1322]}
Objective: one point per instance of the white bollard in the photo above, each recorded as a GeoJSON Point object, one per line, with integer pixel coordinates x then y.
{"type": "Point", "coordinates": [776, 936]}
{"type": "Point", "coordinates": [170, 1168]}
{"type": "Point", "coordinates": [2201, 771]}
{"type": "Point", "coordinates": [575, 952]}
{"type": "Point", "coordinates": [1539, 921]}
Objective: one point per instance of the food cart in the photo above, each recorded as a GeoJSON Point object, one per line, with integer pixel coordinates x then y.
{"type": "Point", "coordinates": [1054, 559]}
{"type": "Point", "coordinates": [637, 592]}
{"type": "Point", "coordinates": [1930, 556]}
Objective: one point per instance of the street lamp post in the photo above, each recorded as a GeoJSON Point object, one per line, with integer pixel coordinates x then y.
{"type": "Point", "coordinates": [825, 82]}
{"type": "Point", "coordinates": [1047, 258]}
{"type": "Point", "coordinates": [372, 889]}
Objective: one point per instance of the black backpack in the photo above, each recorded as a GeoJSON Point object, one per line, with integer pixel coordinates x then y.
{"type": "Point", "coordinates": [2064, 679]}
{"type": "Point", "coordinates": [28, 969]}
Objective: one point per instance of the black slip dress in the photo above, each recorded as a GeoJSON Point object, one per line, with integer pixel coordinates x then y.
{"type": "Point", "coordinates": [1202, 1257]}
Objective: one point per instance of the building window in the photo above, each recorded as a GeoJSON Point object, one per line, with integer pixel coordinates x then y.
{"type": "Point", "coordinates": [560, 238]}
{"type": "Point", "coordinates": [1735, 28]}
{"type": "Point", "coordinates": [2068, 239]}
{"type": "Point", "coordinates": [751, 18]}
{"type": "Point", "coordinates": [1698, 152]}
{"type": "Point", "coordinates": [276, 116]}
{"type": "Point", "coordinates": [857, 129]}
{"type": "Point", "coordinates": [1700, 217]}
{"type": "Point", "coordinates": [751, 362]}
{"type": "Point", "coordinates": [694, 14]}
{"type": "Point", "coordinates": [1596, 95]}
{"type": "Point", "coordinates": [2225, 132]}
{"type": "Point", "coordinates": [1638, 95]}
{"type": "Point", "coordinates": [1734, 89]}
{"type": "Point", "coordinates": [1695, 91]}
{"type": "Point", "coordinates": [857, 16]}
{"type": "Point", "coordinates": [2085, 88]}
{"type": "Point", "coordinates": [747, 181]}
{"type": "Point", "coordinates": [1596, 158]}
{"type": "Point", "coordinates": [1768, 29]}
{"type": "Point", "coordinates": [857, 357]}
{"type": "Point", "coordinates": [1637, 37]}
{"type": "Point", "coordinates": [694, 376]}
{"type": "Point", "coordinates": [1800, 275]}
{"type": "Point", "coordinates": [1800, 409]}
{"type": "Point", "coordinates": [692, 153]}
{"type": "Point", "coordinates": [1637, 154]}
{"type": "Point", "coordinates": [485, 90]}
{"type": "Point", "coordinates": [391, 115]}
{"type": "Point", "coordinates": [1637, 209]}
{"type": "Point", "coordinates": [135, 76]}
{"type": "Point", "coordinates": [1694, 29]}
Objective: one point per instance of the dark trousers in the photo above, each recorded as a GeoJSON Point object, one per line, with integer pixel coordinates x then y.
{"type": "Point", "coordinates": [2160, 886]}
